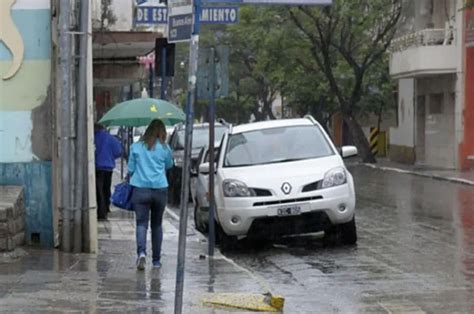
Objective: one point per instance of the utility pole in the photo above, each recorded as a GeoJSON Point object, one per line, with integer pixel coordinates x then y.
{"type": "Point", "coordinates": [81, 123]}
{"type": "Point", "coordinates": [151, 81]}
{"type": "Point", "coordinates": [183, 218]}
{"type": "Point", "coordinates": [65, 138]}
{"type": "Point", "coordinates": [212, 118]}
{"type": "Point", "coordinates": [164, 49]}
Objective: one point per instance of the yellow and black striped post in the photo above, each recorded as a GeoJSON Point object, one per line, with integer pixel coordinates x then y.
{"type": "Point", "coordinates": [374, 140]}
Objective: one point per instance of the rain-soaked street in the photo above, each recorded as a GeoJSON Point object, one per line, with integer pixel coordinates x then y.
{"type": "Point", "coordinates": [415, 253]}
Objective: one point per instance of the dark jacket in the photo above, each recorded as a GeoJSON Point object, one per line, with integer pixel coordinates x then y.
{"type": "Point", "coordinates": [107, 149]}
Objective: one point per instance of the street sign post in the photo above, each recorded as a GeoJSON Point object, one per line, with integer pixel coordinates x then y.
{"type": "Point", "coordinates": [188, 138]}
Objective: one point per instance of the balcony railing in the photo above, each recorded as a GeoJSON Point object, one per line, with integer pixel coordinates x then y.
{"type": "Point", "coordinates": [425, 37]}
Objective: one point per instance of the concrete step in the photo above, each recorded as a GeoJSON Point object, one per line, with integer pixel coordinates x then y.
{"type": "Point", "coordinates": [12, 217]}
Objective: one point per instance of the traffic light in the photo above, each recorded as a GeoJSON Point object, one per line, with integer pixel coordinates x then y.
{"type": "Point", "coordinates": [161, 43]}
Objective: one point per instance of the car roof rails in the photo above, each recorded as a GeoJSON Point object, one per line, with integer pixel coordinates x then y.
{"type": "Point", "coordinates": [311, 118]}
{"type": "Point", "coordinates": [223, 122]}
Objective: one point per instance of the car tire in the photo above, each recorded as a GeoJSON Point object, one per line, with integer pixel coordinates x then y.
{"type": "Point", "coordinates": [224, 241]}
{"type": "Point", "coordinates": [345, 233]}
{"type": "Point", "coordinates": [197, 224]}
{"type": "Point", "coordinates": [348, 232]}
{"type": "Point", "coordinates": [175, 197]}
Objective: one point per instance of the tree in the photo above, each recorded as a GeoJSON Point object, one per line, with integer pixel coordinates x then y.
{"type": "Point", "coordinates": [258, 51]}
{"type": "Point", "coordinates": [346, 41]}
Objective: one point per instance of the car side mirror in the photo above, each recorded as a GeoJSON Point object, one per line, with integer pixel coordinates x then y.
{"type": "Point", "coordinates": [204, 168]}
{"type": "Point", "coordinates": [348, 151]}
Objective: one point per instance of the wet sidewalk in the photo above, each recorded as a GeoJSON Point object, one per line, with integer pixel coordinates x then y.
{"type": "Point", "coordinates": [462, 177]}
{"type": "Point", "coordinates": [51, 281]}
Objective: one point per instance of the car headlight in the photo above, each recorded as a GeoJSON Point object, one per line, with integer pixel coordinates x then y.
{"type": "Point", "coordinates": [234, 188]}
{"type": "Point", "coordinates": [334, 177]}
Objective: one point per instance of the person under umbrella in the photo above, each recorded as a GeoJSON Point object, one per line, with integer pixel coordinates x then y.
{"type": "Point", "coordinates": [149, 159]}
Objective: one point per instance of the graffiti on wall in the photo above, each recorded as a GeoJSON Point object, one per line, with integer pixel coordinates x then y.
{"type": "Point", "coordinates": [25, 71]}
{"type": "Point", "coordinates": [11, 38]}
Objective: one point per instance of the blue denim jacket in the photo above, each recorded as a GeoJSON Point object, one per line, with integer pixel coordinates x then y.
{"type": "Point", "coordinates": [148, 167]}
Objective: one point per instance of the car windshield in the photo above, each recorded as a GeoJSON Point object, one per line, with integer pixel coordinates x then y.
{"type": "Point", "coordinates": [139, 131]}
{"type": "Point", "coordinates": [200, 136]}
{"type": "Point", "coordinates": [276, 145]}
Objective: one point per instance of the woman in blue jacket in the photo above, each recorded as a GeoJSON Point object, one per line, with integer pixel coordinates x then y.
{"type": "Point", "coordinates": [148, 161]}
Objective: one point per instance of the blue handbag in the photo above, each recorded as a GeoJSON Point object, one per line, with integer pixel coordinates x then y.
{"type": "Point", "coordinates": [122, 196]}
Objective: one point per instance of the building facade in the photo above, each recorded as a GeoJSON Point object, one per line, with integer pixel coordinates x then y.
{"type": "Point", "coordinates": [428, 59]}
{"type": "Point", "coordinates": [26, 111]}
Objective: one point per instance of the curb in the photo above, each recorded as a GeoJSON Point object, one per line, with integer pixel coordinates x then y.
{"type": "Point", "coordinates": [264, 302]}
{"type": "Point", "coordinates": [421, 174]}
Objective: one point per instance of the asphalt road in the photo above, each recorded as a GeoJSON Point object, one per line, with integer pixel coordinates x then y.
{"type": "Point", "coordinates": [415, 253]}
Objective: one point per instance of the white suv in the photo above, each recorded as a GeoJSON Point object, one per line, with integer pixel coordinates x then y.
{"type": "Point", "coordinates": [282, 177]}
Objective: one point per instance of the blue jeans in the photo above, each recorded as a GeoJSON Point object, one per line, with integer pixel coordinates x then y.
{"type": "Point", "coordinates": [145, 201]}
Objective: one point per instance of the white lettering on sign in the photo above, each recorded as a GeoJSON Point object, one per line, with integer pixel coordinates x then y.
{"type": "Point", "coordinates": [139, 16]}
{"type": "Point", "coordinates": [219, 15]}
{"type": "Point", "coordinates": [176, 22]}
{"type": "Point", "coordinates": [151, 15]}
{"type": "Point", "coordinates": [160, 14]}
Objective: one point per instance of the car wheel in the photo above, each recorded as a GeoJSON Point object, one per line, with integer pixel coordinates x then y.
{"type": "Point", "coordinates": [196, 221]}
{"type": "Point", "coordinates": [225, 242]}
{"type": "Point", "coordinates": [348, 232]}
{"type": "Point", "coordinates": [197, 224]}
{"type": "Point", "coordinates": [175, 197]}
{"type": "Point", "coordinates": [330, 236]}
{"type": "Point", "coordinates": [344, 233]}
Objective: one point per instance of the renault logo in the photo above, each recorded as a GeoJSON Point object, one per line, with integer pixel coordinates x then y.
{"type": "Point", "coordinates": [286, 188]}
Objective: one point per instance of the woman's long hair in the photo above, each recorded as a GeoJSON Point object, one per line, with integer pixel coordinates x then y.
{"type": "Point", "coordinates": [155, 131]}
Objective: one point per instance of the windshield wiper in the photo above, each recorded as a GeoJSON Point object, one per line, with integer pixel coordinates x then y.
{"type": "Point", "coordinates": [284, 160]}
{"type": "Point", "coordinates": [267, 163]}
{"type": "Point", "coordinates": [242, 165]}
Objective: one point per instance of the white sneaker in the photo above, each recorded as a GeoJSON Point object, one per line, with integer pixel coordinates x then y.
{"type": "Point", "coordinates": [141, 261]}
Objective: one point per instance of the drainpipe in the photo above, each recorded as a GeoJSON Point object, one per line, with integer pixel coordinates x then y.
{"type": "Point", "coordinates": [65, 139]}
{"type": "Point", "coordinates": [81, 126]}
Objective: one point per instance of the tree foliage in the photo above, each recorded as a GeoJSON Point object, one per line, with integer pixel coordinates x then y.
{"type": "Point", "coordinates": [348, 42]}
{"type": "Point", "coordinates": [323, 60]}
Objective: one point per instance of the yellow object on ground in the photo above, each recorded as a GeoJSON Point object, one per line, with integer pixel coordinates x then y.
{"type": "Point", "coordinates": [246, 301]}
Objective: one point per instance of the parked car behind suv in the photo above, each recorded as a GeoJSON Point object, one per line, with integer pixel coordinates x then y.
{"type": "Point", "coordinates": [281, 177]}
{"type": "Point", "coordinates": [176, 142]}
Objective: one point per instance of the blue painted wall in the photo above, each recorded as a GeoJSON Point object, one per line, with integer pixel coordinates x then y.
{"type": "Point", "coordinates": [36, 179]}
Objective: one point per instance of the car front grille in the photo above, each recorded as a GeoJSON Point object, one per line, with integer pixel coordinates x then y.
{"type": "Point", "coordinates": [289, 201]}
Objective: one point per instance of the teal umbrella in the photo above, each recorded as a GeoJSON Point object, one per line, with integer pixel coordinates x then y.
{"type": "Point", "coordinates": [140, 112]}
